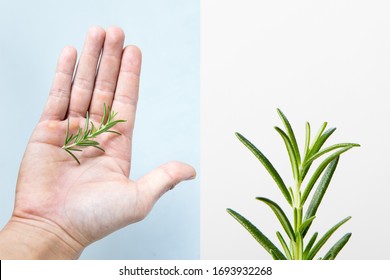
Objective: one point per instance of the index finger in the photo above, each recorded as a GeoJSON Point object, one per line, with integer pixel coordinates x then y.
{"type": "Point", "coordinates": [58, 100]}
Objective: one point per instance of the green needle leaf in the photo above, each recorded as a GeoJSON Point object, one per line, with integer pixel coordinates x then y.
{"type": "Point", "coordinates": [284, 245]}
{"type": "Point", "coordinates": [69, 152]}
{"type": "Point", "coordinates": [258, 236]}
{"type": "Point", "coordinates": [336, 248]}
{"type": "Point", "coordinates": [320, 192]}
{"type": "Point", "coordinates": [322, 241]}
{"type": "Point", "coordinates": [86, 126]}
{"type": "Point", "coordinates": [320, 138]}
{"type": "Point", "coordinates": [319, 170]}
{"type": "Point", "coordinates": [291, 135]}
{"type": "Point", "coordinates": [318, 142]}
{"type": "Point", "coordinates": [99, 148]}
{"type": "Point", "coordinates": [310, 245]}
{"type": "Point", "coordinates": [274, 256]}
{"type": "Point", "coordinates": [291, 192]}
{"type": "Point", "coordinates": [74, 149]}
{"type": "Point", "coordinates": [115, 132]}
{"type": "Point", "coordinates": [267, 164]}
{"type": "Point", "coordinates": [304, 227]}
{"type": "Point", "coordinates": [280, 215]}
{"type": "Point", "coordinates": [307, 141]}
{"type": "Point", "coordinates": [331, 148]}
{"type": "Point", "coordinates": [104, 115]}
{"type": "Point", "coordinates": [67, 134]}
{"type": "Point", "coordinates": [291, 152]}
{"type": "Point", "coordinates": [79, 135]}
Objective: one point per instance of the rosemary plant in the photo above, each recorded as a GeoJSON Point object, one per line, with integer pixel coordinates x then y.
{"type": "Point", "coordinates": [85, 137]}
{"type": "Point", "coordinates": [296, 197]}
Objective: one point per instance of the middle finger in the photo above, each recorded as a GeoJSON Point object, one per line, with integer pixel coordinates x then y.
{"type": "Point", "coordinates": [84, 79]}
{"type": "Point", "coordinates": [108, 72]}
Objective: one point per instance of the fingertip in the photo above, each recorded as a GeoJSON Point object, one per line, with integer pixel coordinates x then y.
{"type": "Point", "coordinates": [69, 53]}
{"type": "Point", "coordinates": [132, 59]}
{"type": "Point", "coordinates": [134, 50]}
{"type": "Point", "coordinates": [96, 33]}
{"type": "Point", "coordinates": [177, 172]}
{"type": "Point", "coordinates": [115, 34]}
{"type": "Point", "coordinates": [183, 170]}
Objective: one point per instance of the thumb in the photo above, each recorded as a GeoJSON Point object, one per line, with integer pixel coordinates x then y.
{"type": "Point", "coordinates": [162, 179]}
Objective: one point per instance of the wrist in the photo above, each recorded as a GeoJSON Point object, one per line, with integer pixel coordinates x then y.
{"type": "Point", "coordinates": [31, 239]}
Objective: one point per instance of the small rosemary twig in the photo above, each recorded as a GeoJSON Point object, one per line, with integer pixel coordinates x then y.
{"type": "Point", "coordinates": [83, 137]}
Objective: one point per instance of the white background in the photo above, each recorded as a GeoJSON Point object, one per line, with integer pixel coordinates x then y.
{"type": "Point", "coordinates": [317, 61]}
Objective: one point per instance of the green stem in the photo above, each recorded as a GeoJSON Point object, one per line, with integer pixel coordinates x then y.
{"type": "Point", "coordinates": [297, 244]}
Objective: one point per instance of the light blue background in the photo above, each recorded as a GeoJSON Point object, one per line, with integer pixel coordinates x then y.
{"type": "Point", "coordinates": [32, 36]}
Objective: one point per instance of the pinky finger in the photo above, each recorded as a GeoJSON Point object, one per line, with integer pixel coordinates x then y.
{"type": "Point", "coordinates": [58, 101]}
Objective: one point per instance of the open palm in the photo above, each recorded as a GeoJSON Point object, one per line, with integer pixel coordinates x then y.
{"type": "Point", "coordinates": [85, 202]}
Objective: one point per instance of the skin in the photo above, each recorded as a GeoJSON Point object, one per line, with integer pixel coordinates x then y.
{"type": "Point", "coordinates": [62, 207]}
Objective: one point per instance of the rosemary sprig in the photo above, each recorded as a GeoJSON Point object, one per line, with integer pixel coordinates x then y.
{"type": "Point", "coordinates": [296, 229]}
{"type": "Point", "coordinates": [84, 137]}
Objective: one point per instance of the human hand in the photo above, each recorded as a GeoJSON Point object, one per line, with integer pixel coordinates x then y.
{"type": "Point", "coordinates": [74, 205]}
